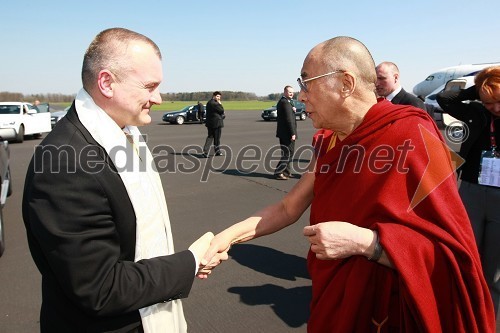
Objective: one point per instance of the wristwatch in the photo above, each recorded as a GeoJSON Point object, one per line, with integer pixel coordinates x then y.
{"type": "Point", "coordinates": [377, 250]}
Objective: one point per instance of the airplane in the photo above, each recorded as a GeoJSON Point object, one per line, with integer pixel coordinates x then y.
{"type": "Point", "coordinates": [439, 78]}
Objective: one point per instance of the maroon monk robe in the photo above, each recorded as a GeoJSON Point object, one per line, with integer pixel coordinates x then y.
{"type": "Point", "coordinates": [437, 283]}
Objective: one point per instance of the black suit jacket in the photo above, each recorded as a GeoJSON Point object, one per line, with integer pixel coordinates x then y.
{"type": "Point", "coordinates": [215, 114]}
{"type": "Point", "coordinates": [405, 98]}
{"type": "Point", "coordinates": [476, 119]}
{"type": "Point", "coordinates": [80, 225]}
{"type": "Point", "coordinates": [473, 114]}
{"type": "Point", "coordinates": [286, 125]}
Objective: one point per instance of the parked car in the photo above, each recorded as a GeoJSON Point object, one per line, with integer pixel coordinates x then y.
{"type": "Point", "coordinates": [189, 113]}
{"type": "Point", "coordinates": [272, 113]}
{"type": "Point", "coordinates": [57, 115]}
{"type": "Point", "coordinates": [5, 188]}
{"type": "Point", "coordinates": [18, 119]}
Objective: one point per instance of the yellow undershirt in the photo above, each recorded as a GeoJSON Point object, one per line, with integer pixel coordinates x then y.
{"type": "Point", "coordinates": [333, 141]}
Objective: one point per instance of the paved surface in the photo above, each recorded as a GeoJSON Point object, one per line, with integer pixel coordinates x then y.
{"type": "Point", "coordinates": [264, 288]}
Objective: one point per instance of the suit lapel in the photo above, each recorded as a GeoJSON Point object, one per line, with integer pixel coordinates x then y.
{"type": "Point", "coordinates": [397, 99]}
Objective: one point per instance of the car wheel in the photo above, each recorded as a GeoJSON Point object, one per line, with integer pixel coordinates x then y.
{"type": "Point", "coordinates": [2, 238]}
{"type": "Point", "coordinates": [303, 116]}
{"type": "Point", "coordinates": [179, 120]}
{"type": "Point", "coordinates": [20, 134]}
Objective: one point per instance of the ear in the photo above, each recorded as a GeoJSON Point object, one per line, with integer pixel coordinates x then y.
{"type": "Point", "coordinates": [396, 77]}
{"type": "Point", "coordinates": [105, 82]}
{"type": "Point", "coordinates": [348, 84]}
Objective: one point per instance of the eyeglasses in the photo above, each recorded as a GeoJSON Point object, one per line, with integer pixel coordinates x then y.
{"type": "Point", "coordinates": [303, 85]}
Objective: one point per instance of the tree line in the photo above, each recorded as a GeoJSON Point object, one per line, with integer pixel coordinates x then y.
{"type": "Point", "coordinates": [6, 96]}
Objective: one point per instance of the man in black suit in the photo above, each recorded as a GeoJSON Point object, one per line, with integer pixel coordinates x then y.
{"type": "Point", "coordinates": [214, 121]}
{"type": "Point", "coordinates": [200, 112]}
{"type": "Point", "coordinates": [286, 131]}
{"type": "Point", "coordinates": [388, 86]}
{"type": "Point", "coordinates": [94, 208]}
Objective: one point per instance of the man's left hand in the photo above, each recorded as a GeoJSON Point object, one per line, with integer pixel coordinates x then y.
{"type": "Point", "coordinates": [336, 240]}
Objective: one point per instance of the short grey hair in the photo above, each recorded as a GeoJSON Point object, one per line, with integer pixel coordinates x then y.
{"type": "Point", "coordinates": [107, 50]}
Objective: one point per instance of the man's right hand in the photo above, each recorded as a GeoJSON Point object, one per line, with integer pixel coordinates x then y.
{"type": "Point", "coordinates": [216, 252]}
{"type": "Point", "coordinates": [200, 246]}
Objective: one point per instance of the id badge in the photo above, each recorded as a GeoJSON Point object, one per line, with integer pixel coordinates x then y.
{"type": "Point", "coordinates": [490, 168]}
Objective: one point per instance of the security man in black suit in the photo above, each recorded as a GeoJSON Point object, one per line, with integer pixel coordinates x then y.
{"type": "Point", "coordinates": [388, 86]}
{"type": "Point", "coordinates": [214, 121]}
{"type": "Point", "coordinates": [286, 131]}
{"type": "Point", "coordinates": [200, 112]}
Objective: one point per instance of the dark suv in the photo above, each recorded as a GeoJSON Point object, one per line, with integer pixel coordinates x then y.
{"type": "Point", "coordinates": [272, 114]}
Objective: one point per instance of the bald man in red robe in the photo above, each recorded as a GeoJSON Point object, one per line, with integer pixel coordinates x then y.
{"type": "Point", "coordinates": [392, 249]}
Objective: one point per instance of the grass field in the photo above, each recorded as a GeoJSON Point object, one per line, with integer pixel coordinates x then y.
{"type": "Point", "coordinates": [228, 105]}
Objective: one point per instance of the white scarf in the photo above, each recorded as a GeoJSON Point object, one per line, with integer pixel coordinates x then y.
{"type": "Point", "coordinates": [144, 188]}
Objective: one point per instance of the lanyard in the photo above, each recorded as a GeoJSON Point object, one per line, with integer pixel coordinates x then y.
{"type": "Point", "coordinates": [490, 161]}
{"type": "Point", "coordinates": [493, 141]}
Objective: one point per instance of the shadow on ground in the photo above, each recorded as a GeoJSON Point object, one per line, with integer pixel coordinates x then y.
{"type": "Point", "coordinates": [270, 261]}
{"type": "Point", "coordinates": [290, 305]}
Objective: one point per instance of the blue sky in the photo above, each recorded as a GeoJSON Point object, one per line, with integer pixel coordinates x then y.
{"type": "Point", "coordinates": [252, 46]}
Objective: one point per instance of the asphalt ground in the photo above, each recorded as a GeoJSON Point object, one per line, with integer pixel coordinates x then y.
{"type": "Point", "coordinates": [264, 287]}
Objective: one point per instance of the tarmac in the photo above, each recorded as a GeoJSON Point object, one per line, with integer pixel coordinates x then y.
{"type": "Point", "coordinates": [263, 287]}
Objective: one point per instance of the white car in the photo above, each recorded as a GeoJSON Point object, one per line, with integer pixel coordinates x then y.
{"type": "Point", "coordinates": [18, 119]}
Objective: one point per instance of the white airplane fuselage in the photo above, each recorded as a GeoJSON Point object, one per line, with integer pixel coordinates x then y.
{"type": "Point", "coordinates": [440, 77]}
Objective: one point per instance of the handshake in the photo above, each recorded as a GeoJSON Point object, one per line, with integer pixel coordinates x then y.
{"type": "Point", "coordinates": [209, 253]}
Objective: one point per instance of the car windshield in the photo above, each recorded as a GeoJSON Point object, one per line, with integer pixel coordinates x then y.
{"type": "Point", "coordinates": [9, 109]}
{"type": "Point", "coordinates": [186, 108]}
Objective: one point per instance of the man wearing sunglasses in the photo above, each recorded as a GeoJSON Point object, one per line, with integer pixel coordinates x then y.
{"type": "Point", "coordinates": [391, 247]}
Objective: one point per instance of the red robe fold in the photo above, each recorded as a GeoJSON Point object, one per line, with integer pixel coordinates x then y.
{"type": "Point", "coordinates": [437, 283]}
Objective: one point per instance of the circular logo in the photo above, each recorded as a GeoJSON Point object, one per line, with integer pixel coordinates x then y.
{"type": "Point", "coordinates": [457, 132]}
